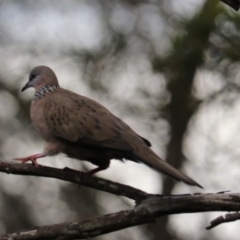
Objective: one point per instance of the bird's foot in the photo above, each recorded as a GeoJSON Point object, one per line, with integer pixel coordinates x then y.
{"type": "Point", "coordinates": [98, 169]}
{"type": "Point", "coordinates": [26, 159]}
{"type": "Point", "coordinates": [32, 158]}
{"type": "Point", "coordinates": [95, 170]}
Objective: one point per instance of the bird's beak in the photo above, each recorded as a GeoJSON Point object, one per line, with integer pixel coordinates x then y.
{"type": "Point", "coordinates": [25, 87]}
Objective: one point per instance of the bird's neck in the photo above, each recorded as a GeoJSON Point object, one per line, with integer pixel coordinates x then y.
{"type": "Point", "coordinates": [41, 92]}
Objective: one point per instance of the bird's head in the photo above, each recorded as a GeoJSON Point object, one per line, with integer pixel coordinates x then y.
{"type": "Point", "coordinates": [41, 76]}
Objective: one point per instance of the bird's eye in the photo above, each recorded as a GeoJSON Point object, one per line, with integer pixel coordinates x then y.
{"type": "Point", "coordinates": [32, 76]}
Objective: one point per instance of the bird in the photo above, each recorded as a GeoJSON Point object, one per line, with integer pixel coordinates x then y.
{"type": "Point", "coordinates": [83, 129]}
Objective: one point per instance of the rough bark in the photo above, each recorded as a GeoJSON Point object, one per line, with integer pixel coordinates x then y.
{"type": "Point", "coordinates": [148, 208]}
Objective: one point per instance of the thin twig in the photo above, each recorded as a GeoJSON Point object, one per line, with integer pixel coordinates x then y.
{"type": "Point", "coordinates": [230, 217]}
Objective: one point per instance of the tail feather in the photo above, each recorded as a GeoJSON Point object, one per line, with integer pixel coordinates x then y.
{"type": "Point", "coordinates": [153, 161]}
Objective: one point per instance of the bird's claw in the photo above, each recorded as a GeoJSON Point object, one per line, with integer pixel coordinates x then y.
{"type": "Point", "coordinates": [26, 159]}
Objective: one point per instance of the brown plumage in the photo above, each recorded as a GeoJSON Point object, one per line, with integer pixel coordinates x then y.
{"type": "Point", "coordinates": [85, 130]}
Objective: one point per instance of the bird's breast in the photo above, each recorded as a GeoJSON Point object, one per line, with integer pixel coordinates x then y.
{"type": "Point", "coordinates": [39, 117]}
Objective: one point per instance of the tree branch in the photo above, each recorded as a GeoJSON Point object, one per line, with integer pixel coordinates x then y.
{"type": "Point", "coordinates": [73, 176]}
{"type": "Point", "coordinates": [148, 207]}
{"type": "Point", "coordinates": [230, 217]}
{"type": "Point", "coordinates": [146, 212]}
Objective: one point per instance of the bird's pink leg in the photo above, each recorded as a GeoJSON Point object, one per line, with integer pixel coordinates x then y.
{"type": "Point", "coordinates": [32, 158]}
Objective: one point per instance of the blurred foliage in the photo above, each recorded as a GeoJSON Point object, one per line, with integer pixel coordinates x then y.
{"type": "Point", "coordinates": [170, 70]}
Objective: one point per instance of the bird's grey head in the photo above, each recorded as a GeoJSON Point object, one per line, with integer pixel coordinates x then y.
{"type": "Point", "coordinates": [41, 76]}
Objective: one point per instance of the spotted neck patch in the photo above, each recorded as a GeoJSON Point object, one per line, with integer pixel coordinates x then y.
{"type": "Point", "coordinates": [44, 90]}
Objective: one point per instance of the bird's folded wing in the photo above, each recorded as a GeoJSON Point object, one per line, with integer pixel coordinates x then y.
{"type": "Point", "coordinates": [78, 119]}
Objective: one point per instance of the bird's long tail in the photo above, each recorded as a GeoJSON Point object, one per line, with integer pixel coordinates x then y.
{"type": "Point", "coordinates": [153, 161]}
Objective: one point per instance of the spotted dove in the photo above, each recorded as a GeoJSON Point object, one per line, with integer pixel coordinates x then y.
{"type": "Point", "coordinates": [83, 129]}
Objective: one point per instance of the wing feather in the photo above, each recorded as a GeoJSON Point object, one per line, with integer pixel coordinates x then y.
{"type": "Point", "coordinates": [80, 119]}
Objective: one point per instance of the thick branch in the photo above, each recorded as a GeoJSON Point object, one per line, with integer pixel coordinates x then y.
{"type": "Point", "coordinates": [146, 212]}
{"type": "Point", "coordinates": [149, 206]}
{"type": "Point", "coordinates": [77, 177]}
